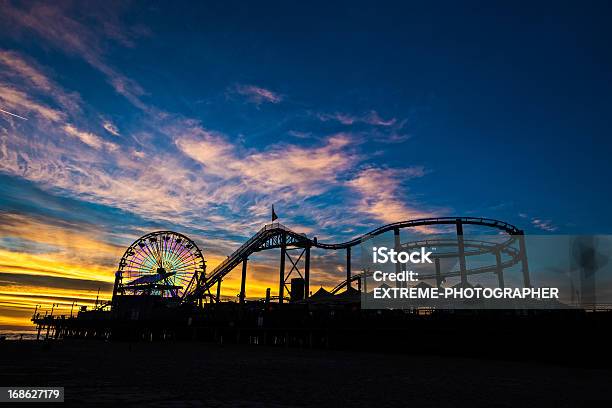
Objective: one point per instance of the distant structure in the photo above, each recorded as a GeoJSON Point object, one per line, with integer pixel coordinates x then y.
{"type": "Point", "coordinates": [170, 265]}
{"type": "Point", "coordinates": [163, 290]}
{"type": "Point", "coordinates": [295, 256]}
{"type": "Point", "coordinates": [162, 263]}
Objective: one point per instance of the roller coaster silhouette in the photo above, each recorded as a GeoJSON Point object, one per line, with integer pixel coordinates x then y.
{"type": "Point", "coordinates": [171, 265]}
{"type": "Point", "coordinates": [162, 292]}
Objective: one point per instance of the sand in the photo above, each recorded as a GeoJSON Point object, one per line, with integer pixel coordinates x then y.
{"type": "Point", "coordinates": [204, 374]}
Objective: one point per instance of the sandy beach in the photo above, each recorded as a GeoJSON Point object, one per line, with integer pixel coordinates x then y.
{"type": "Point", "coordinates": [203, 374]}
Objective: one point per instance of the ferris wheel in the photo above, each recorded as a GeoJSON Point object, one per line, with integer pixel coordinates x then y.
{"type": "Point", "coordinates": [162, 263]}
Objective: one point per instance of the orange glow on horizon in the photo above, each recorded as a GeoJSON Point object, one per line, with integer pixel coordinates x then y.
{"type": "Point", "coordinates": [77, 265]}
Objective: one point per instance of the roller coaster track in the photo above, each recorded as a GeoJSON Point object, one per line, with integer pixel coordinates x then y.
{"type": "Point", "coordinates": [479, 248]}
{"type": "Point", "coordinates": [276, 235]}
{"type": "Point", "coordinates": [270, 236]}
{"type": "Point", "coordinates": [485, 222]}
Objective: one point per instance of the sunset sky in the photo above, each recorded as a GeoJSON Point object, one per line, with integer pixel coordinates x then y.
{"type": "Point", "coordinates": [121, 118]}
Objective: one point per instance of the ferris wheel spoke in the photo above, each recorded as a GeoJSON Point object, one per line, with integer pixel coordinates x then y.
{"type": "Point", "coordinates": [163, 256]}
{"type": "Point", "coordinates": [172, 253]}
{"type": "Point", "coordinates": [156, 247]}
{"type": "Point", "coordinates": [181, 271]}
{"type": "Point", "coordinates": [164, 251]}
{"type": "Point", "coordinates": [177, 249]}
{"type": "Point", "coordinates": [137, 257]}
{"type": "Point", "coordinates": [146, 265]}
{"type": "Point", "coordinates": [182, 263]}
{"type": "Point", "coordinates": [144, 252]}
{"type": "Point", "coordinates": [186, 255]}
{"type": "Point", "coordinates": [145, 260]}
{"type": "Point", "coordinates": [178, 265]}
{"type": "Point", "coordinates": [185, 263]}
{"type": "Point", "coordinates": [172, 250]}
{"type": "Point", "coordinates": [186, 250]}
{"type": "Point", "coordinates": [141, 266]}
{"type": "Point", "coordinates": [142, 258]}
{"type": "Point", "coordinates": [180, 253]}
{"type": "Point", "coordinates": [152, 251]}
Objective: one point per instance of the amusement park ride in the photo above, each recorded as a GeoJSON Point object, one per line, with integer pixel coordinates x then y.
{"type": "Point", "coordinates": [163, 263]}
{"type": "Point", "coordinates": [163, 289]}
{"type": "Point", "coordinates": [170, 265]}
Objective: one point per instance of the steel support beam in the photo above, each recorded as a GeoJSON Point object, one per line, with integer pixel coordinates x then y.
{"type": "Point", "coordinates": [348, 268]}
{"type": "Point", "coordinates": [438, 274]}
{"type": "Point", "coordinates": [243, 281]}
{"type": "Point", "coordinates": [499, 269]}
{"type": "Point", "coordinates": [398, 266]}
{"type": "Point", "coordinates": [117, 284]}
{"type": "Point", "coordinates": [461, 247]}
{"type": "Point", "coordinates": [524, 264]}
{"type": "Point", "coordinates": [218, 290]}
{"type": "Point", "coordinates": [199, 279]}
{"type": "Point", "coordinates": [281, 283]}
{"type": "Point", "coordinates": [307, 273]}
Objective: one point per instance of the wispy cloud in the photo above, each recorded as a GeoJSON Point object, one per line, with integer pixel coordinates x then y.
{"type": "Point", "coordinates": [25, 72]}
{"type": "Point", "coordinates": [53, 23]}
{"type": "Point", "coordinates": [72, 250]}
{"type": "Point", "coordinates": [257, 94]}
{"type": "Point", "coordinates": [214, 187]}
{"type": "Point", "coordinates": [110, 128]}
{"type": "Point", "coordinates": [89, 138]}
{"type": "Point", "coordinates": [300, 135]}
{"type": "Point", "coordinates": [18, 101]}
{"type": "Point", "coordinates": [369, 118]}
{"type": "Point", "coordinates": [281, 170]}
{"type": "Point", "coordinates": [539, 223]}
{"type": "Point", "coordinates": [382, 194]}
{"type": "Point", "coordinates": [545, 225]}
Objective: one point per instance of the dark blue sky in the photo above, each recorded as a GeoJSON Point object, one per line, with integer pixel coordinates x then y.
{"type": "Point", "coordinates": [472, 108]}
{"type": "Point", "coordinates": [506, 104]}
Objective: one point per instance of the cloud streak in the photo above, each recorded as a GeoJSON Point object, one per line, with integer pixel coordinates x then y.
{"type": "Point", "coordinates": [539, 223]}
{"type": "Point", "coordinates": [110, 128]}
{"type": "Point", "coordinates": [370, 118]}
{"type": "Point", "coordinates": [257, 94]}
{"type": "Point", "coordinates": [286, 169]}
{"type": "Point", "coordinates": [53, 23]}
{"type": "Point", "coordinates": [89, 138]}
{"type": "Point", "coordinates": [382, 196]}
{"type": "Point", "coordinates": [16, 100]}
{"type": "Point", "coordinates": [16, 67]}
{"type": "Point", "coordinates": [544, 225]}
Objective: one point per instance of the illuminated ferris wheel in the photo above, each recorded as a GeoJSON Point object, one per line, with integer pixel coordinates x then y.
{"type": "Point", "coordinates": [162, 263]}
